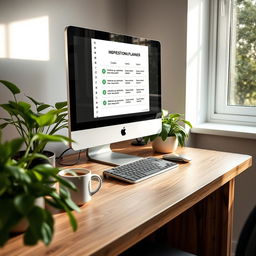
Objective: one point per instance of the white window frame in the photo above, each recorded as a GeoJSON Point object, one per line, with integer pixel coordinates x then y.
{"type": "Point", "coordinates": [219, 52]}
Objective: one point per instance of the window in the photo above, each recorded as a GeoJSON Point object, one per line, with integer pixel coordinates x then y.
{"type": "Point", "coordinates": [233, 62]}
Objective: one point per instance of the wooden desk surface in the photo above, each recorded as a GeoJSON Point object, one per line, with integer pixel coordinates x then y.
{"type": "Point", "coordinates": [121, 214]}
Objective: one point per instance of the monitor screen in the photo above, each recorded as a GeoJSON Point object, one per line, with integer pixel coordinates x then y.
{"type": "Point", "coordinates": [112, 79]}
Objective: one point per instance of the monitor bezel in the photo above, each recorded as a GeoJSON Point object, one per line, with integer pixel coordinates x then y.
{"type": "Point", "coordinates": [70, 33]}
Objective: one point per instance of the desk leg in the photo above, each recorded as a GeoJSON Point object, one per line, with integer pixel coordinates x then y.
{"type": "Point", "coordinates": [206, 228]}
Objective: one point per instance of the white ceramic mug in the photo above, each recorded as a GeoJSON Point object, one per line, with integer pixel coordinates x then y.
{"type": "Point", "coordinates": [83, 183]}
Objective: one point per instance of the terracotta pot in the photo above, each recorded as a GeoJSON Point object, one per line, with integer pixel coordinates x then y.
{"type": "Point", "coordinates": [167, 146]}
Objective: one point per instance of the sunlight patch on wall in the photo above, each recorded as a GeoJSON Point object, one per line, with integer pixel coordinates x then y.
{"type": "Point", "coordinates": [197, 54]}
{"type": "Point", "coordinates": [29, 39]}
{"type": "Point", "coordinates": [2, 41]}
{"type": "Point", "coordinates": [26, 39]}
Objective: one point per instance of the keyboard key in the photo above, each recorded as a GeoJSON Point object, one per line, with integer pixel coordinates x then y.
{"type": "Point", "coordinates": [140, 170]}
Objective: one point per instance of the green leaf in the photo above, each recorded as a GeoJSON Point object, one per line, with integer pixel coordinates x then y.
{"type": "Point", "coordinates": [4, 236]}
{"type": "Point", "coordinates": [153, 137]}
{"type": "Point", "coordinates": [4, 182]}
{"type": "Point", "coordinates": [57, 128]}
{"type": "Point", "coordinates": [14, 146]}
{"type": "Point", "coordinates": [24, 203]}
{"type": "Point", "coordinates": [66, 183]}
{"type": "Point", "coordinates": [60, 105]}
{"type": "Point", "coordinates": [24, 106]}
{"type": "Point", "coordinates": [64, 207]}
{"type": "Point", "coordinates": [70, 171]}
{"type": "Point", "coordinates": [72, 205]}
{"type": "Point", "coordinates": [41, 189]}
{"type": "Point", "coordinates": [42, 139]}
{"type": "Point", "coordinates": [8, 108]}
{"type": "Point", "coordinates": [46, 233]}
{"type": "Point", "coordinates": [72, 220]}
{"type": "Point", "coordinates": [9, 217]}
{"type": "Point", "coordinates": [8, 149]}
{"type": "Point", "coordinates": [46, 119]}
{"type": "Point", "coordinates": [36, 219]}
{"type": "Point", "coordinates": [46, 169]}
{"type": "Point", "coordinates": [6, 119]}
{"type": "Point", "coordinates": [61, 117]}
{"type": "Point", "coordinates": [64, 193]}
{"type": "Point", "coordinates": [21, 110]}
{"type": "Point", "coordinates": [30, 238]}
{"type": "Point", "coordinates": [33, 156]}
{"type": "Point", "coordinates": [54, 138]}
{"type": "Point", "coordinates": [3, 125]}
{"type": "Point", "coordinates": [43, 107]}
{"type": "Point", "coordinates": [54, 204]}
{"type": "Point", "coordinates": [187, 123]}
{"type": "Point", "coordinates": [175, 115]}
{"type": "Point", "coordinates": [37, 176]}
{"type": "Point", "coordinates": [61, 110]}
{"type": "Point", "coordinates": [181, 139]}
{"type": "Point", "coordinates": [12, 87]}
{"type": "Point", "coordinates": [34, 101]}
{"type": "Point", "coordinates": [165, 131]}
{"type": "Point", "coordinates": [49, 219]}
{"type": "Point", "coordinates": [18, 173]}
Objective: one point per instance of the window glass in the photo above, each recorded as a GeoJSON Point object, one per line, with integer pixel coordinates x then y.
{"type": "Point", "coordinates": [242, 68]}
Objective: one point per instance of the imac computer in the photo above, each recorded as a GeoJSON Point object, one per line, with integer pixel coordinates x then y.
{"type": "Point", "coordinates": [114, 91]}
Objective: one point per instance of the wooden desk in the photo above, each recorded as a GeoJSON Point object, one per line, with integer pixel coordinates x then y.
{"type": "Point", "coordinates": [192, 205]}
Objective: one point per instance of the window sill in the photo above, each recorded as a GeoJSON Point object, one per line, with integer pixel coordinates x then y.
{"type": "Point", "coordinates": [238, 131]}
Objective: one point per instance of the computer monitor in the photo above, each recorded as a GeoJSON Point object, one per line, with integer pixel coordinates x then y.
{"type": "Point", "coordinates": [114, 90]}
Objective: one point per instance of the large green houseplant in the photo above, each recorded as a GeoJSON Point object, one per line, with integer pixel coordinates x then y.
{"type": "Point", "coordinates": [21, 184]}
{"type": "Point", "coordinates": [173, 133]}
{"type": "Point", "coordinates": [33, 117]}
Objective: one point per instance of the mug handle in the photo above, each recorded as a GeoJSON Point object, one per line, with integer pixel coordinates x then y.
{"type": "Point", "coordinates": [96, 177]}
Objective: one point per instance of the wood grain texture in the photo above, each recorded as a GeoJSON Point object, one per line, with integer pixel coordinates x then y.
{"type": "Point", "coordinates": [121, 214]}
{"type": "Point", "coordinates": [206, 227]}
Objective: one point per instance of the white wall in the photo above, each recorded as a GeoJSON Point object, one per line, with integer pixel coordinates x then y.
{"type": "Point", "coordinates": [165, 21]}
{"type": "Point", "coordinates": [46, 80]}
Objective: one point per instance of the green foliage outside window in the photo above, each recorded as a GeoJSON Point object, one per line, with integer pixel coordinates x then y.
{"type": "Point", "coordinates": [244, 92]}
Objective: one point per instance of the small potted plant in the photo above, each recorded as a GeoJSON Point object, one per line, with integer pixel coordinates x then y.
{"type": "Point", "coordinates": [33, 117]}
{"type": "Point", "coordinates": [21, 187]}
{"type": "Point", "coordinates": [172, 134]}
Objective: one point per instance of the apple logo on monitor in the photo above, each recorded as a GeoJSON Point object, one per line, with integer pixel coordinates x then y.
{"type": "Point", "coordinates": [123, 131]}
